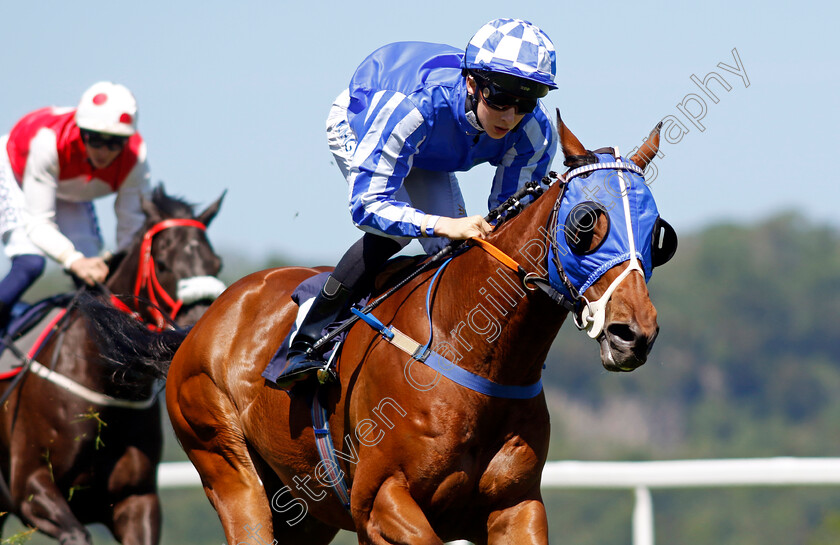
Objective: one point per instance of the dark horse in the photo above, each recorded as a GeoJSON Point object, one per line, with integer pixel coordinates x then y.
{"type": "Point", "coordinates": [425, 458]}
{"type": "Point", "coordinates": [80, 446]}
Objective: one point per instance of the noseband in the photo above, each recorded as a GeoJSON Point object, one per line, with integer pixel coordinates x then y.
{"type": "Point", "coordinates": [147, 276]}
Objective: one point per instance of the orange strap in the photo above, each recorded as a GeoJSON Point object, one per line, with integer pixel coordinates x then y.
{"type": "Point", "coordinates": [505, 259]}
{"type": "Point", "coordinates": [527, 278]}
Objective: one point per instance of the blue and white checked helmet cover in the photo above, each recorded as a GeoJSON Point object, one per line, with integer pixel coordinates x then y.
{"type": "Point", "coordinates": [515, 47]}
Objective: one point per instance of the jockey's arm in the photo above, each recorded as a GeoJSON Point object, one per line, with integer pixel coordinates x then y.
{"type": "Point", "coordinates": [128, 204]}
{"type": "Point", "coordinates": [374, 182]}
{"type": "Point", "coordinates": [40, 185]}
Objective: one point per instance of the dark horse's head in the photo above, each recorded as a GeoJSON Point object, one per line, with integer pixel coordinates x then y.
{"type": "Point", "coordinates": [169, 273]}
{"type": "Point", "coordinates": [608, 237]}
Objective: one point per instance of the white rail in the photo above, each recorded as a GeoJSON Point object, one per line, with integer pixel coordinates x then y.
{"type": "Point", "coordinates": [640, 477]}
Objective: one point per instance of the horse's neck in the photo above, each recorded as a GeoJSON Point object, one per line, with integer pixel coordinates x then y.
{"type": "Point", "coordinates": [506, 329]}
{"type": "Point", "coordinates": [122, 280]}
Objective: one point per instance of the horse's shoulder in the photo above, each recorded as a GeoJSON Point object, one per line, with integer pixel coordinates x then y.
{"type": "Point", "coordinates": [264, 295]}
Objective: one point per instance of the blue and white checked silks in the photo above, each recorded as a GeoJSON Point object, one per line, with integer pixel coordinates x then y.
{"type": "Point", "coordinates": [406, 110]}
{"type": "Point", "coordinates": [515, 47]}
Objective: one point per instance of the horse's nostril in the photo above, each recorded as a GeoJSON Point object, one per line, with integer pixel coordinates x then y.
{"type": "Point", "coordinates": [623, 332]}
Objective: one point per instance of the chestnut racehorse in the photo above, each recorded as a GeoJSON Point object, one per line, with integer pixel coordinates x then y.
{"type": "Point", "coordinates": [78, 446]}
{"type": "Point", "coordinates": [425, 458]}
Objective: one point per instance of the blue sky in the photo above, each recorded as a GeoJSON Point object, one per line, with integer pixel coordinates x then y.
{"type": "Point", "coordinates": [234, 96]}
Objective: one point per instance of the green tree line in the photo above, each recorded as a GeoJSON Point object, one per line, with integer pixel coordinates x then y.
{"type": "Point", "coordinates": [747, 364]}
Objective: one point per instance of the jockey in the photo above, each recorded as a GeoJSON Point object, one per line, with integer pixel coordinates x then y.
{"type": "Point", "coordinates": [53, 163]}
{"type": "Point", "coordinates": [413, 114]}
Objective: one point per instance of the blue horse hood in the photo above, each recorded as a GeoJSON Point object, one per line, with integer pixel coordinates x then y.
{"type": "Point", "coordinates": [598, 186]}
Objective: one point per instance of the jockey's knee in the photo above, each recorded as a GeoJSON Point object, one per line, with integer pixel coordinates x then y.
{"type": "Point", "coordinates": [24, 271]}
{"type": "Point", "coordinates": [29, 266]}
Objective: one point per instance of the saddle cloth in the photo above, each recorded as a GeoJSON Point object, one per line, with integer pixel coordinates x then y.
{"type": "Point", "coordinates": [303, 295]}
{"type": "Point", "coordinates": [23, 331]}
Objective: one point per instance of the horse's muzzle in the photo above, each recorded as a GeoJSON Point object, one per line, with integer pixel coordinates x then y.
{"type": "Point", "coordinates": [625, 347]}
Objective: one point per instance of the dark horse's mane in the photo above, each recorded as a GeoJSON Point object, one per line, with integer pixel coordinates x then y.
{"type": "Point", "coordinates": [169, 205]}
{"type": "Point", "coordinates": [577, 161]}
{"type": "Point", "coordinates": [117, 338]}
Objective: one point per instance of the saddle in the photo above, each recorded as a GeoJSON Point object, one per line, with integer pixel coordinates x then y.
{"type": "Point", "coordinates": [394, 271]}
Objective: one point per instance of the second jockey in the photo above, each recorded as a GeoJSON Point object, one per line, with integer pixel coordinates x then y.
{"type": "Point", "coordinates": [53, 163]}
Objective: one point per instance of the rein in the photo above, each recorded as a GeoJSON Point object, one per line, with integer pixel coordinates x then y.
{"type": "Point", "coordinates": [147, 277]}
{"type": "Point", "coordinates": [531, 281]}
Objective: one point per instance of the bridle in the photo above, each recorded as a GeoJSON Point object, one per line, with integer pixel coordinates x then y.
{"type": "Point", "coordinates": [147, 278]}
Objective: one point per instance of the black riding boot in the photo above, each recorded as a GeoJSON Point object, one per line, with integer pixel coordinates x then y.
{"type": "Point", "coordinates": [302, 361]}
{"type": "Point", "coordinates": [5, 316]}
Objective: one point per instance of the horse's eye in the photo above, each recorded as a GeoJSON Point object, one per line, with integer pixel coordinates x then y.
{"type": "Point", "coordinates": [586, 227]}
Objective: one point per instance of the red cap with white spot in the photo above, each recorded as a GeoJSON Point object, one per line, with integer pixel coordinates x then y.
{"type": "Point", "coordinates": [109, 108]}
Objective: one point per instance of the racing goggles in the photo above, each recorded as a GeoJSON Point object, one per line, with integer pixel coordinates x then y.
{"type": "Point", "coordinates": [97, 140]}
{"type": "Point", "coordinates": [497, 99]}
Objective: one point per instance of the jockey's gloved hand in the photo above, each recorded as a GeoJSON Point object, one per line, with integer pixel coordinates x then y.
{"type": "Point", "coordinates": [462, 228]}
{"type": "Point", "coordinates": [90, 270]}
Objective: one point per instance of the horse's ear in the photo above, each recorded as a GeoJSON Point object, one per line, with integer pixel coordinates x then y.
{"type": "Point", "coordinates": [648, 150]}
{"type": "Point", "coordinates": [207, 216]}
{"type": "Point", "coordinates": [150, 209]}
{"type": "Point", "coordinates": [568, 141]}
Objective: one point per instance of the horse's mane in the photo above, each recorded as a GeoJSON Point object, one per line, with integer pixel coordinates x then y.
{"type": "Point", "coordinates": [169, 205]}
{"type": "Point", "coordinates": [576, 161]}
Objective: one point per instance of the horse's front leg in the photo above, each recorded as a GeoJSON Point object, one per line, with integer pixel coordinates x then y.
{"type": "Point", "coordinates": [135, 516]}
{"type": "Point", "coordinates": [43, 506]}
{"type": "Point", "coordinates": [522, 524]}
{"type": "Point", "coordinates": [137, 520]}
{"type": "Point", "coordinates": [395, 518]}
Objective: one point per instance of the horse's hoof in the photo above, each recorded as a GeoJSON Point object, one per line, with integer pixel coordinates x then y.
{"type": "Point", "coordinates": [75, 538]}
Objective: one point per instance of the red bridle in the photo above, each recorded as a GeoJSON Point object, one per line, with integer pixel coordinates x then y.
{"type": "Point", "coordinates": [147, 276]}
